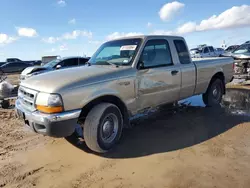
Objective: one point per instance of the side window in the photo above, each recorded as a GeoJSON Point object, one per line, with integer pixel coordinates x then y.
{"type": "Point", "coordinates": [182, 51]}
{"type": "Point", "coordinates": [70, 62]}
{"type": "Point", "coordinates": [211, 49]}
{"type": "Point", "coordinates": [83, 61]}
{"type": "Point", "coordinates": [206, 50]}
{"type": "Point", "coordinates": [156, 53]}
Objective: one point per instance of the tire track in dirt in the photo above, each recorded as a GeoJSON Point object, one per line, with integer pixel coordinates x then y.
{"type": "Point", "coordinates": [92, 175]}
{"type": "Point", "coordinates": [17, 177]}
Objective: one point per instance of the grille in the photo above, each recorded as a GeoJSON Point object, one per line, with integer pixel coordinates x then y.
{"type": "Point", "coordinates": [27, 98]}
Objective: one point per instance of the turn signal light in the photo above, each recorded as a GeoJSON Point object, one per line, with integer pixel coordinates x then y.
{"type": "Point", "coordinates": [49, 109]}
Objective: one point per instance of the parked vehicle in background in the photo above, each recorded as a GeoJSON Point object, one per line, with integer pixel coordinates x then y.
{"type": "Point", "coordinates": [219, 51]}
{"type": "Point", "coordinates": [16, 60]}
{"type": "Point", "coordinates": [228, 51]}
{"type": "Point", "coordinates": [14, 67]}
{"type": "Point", "coordinates": [205, 51]}
{"type": "Point", "coordinates": [125, 76]}
{"type": "Point", "coordinates": [242, 61]}
{"type": "Point", "coordinates": [46, 59]}
{"type": "Point", "coordinates": [231, 48]}
{"type": "Point", "coordinates": [194, 52]}
{"type": "Point", "coordinates": [55, 64]}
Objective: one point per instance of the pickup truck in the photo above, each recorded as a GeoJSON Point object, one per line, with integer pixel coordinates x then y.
{"type": "Point", "coordinates": [203, 52]}
{"type": "Point", "coordinates": [124, 77]}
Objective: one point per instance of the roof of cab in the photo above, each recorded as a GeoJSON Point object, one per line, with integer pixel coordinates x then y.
{"type": "Point", "coordinates": [147, 37]}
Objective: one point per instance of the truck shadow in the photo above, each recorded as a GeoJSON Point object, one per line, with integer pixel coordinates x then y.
{"type": "Point", "coordinates": [169, 130]}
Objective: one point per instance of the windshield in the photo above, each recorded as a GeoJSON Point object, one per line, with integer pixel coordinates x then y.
{"type": "Point", "coordinates": [244, 48]}
{"type": "Point", "coordinates": [119, 52]}
{"type": "Point", "coordinates": [52, 63]}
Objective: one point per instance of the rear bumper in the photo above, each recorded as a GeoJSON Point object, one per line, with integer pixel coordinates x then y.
{"type": "Point", "coordinates": [55, 125]}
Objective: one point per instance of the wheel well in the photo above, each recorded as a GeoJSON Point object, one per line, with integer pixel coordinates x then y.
{"type": "Point", "coordinates": [219, 75]}
{"type": "Point", "coordinates": [110, 99]}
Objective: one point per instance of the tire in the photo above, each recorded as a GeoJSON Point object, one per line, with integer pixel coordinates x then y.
{"type": "Point", "coordinates": [214, 93]}
{"type": "Point", "coordinates": [5, 104]}
{"type": "Point", "coordinates": [103, 117]}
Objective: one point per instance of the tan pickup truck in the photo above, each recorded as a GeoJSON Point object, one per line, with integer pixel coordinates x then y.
{"type": "Point", "coordinates": [123, 77]}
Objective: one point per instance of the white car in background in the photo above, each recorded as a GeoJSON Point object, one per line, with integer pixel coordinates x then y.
{"type": "Point", "coordinates": [206, 51]}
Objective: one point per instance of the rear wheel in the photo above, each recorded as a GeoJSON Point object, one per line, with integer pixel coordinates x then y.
{"type": "Point", "coordinates": [214, 93]}
{"type": "Point", "coordinates": [103, 127]}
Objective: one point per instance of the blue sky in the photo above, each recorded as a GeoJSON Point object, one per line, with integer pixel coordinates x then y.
{"type": "Point", "coordinates": [30, 29]}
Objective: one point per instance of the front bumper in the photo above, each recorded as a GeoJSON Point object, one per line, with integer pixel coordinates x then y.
{"type": "Point", "coordinates": [55, 125]}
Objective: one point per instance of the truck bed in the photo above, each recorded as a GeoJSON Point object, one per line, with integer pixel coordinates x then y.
{"type": "Point", "coordinates": [207, 67]}
{"type": "Point", "coordinates": [209, 59]}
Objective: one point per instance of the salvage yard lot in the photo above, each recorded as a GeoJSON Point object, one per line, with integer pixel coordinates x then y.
{"type": "Point", "coordinates": [185, 147]}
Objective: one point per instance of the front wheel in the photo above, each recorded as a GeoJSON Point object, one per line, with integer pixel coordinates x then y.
{"type": "Point", "coordinates": [214, 93]}
{"type": "Point", "coordinates": [103, 127]}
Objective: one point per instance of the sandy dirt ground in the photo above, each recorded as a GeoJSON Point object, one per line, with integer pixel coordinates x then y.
{"type": "Point", "coordinates": [13, 78]}
{"type": "Point", "coordinates": [181, 148]}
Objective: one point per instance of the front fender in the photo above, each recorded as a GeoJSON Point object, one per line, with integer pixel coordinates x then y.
{"type": "Point", "coordinates": [99, 93]}
{"type": "Point", "coordinates": [77, 98]}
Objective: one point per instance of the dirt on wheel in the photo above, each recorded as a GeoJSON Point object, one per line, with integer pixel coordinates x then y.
{"type": "Point", "coordinates": [187, 146]}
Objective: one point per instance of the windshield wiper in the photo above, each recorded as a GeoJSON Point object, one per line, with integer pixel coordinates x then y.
{"type": "Point", "coordinates": [107, 63]}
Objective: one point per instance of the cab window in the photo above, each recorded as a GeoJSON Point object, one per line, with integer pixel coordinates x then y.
{"type": "Point", "coordinates": [182, 51]}
{"type": "Point", "coordinates": [211, 49]}
{"type": "Point", "coordinates": [156, 53]}
{"type": "Point", "coordinates": [206, 50]}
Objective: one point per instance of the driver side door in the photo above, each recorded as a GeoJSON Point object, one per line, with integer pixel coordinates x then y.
{"type": "Point", "coordinates": [158, 78]}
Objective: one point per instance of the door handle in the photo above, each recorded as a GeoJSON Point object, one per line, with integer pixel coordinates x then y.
{"type": "Point", "coordinates": [174, 72]}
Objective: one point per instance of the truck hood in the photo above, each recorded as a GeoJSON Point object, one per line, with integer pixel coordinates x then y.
{"type": "Point", "coordinates": [30, 70]}
{"type": "Point", "coordinates": [56, 81]}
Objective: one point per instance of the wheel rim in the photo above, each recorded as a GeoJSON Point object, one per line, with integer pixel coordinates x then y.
{"type": "Point", "coordinates": [109, 128]}
{"type": "Point", "coordinates": [216, 92]}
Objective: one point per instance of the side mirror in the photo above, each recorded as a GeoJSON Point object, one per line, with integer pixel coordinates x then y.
{"type": "Point", "coordinates": [58, 66]}
{"type": "Point", "coordinates": [141, 65]}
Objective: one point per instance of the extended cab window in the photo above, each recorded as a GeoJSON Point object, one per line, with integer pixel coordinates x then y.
{"type": "Point", "coordinates": [156, 53]}
{"type": "Point", "coordinates": [182, 51]}
{"type": "Point", "coordinates": [206, 50]}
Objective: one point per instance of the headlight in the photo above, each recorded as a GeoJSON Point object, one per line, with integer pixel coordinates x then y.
{"type": "Point", "coordinates": [49, 103]}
